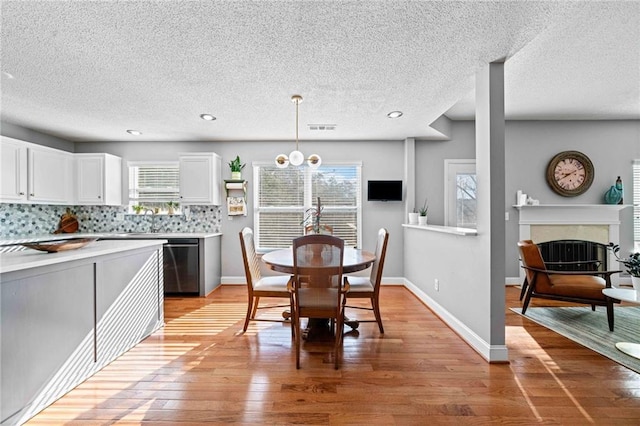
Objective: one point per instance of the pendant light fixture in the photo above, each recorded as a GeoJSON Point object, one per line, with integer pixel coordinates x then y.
{"type": "Point", "coordinates": [296, 158]}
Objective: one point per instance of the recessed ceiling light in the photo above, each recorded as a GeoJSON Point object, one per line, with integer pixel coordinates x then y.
{"type": "Point", "coordinates": [207, 117]}
{"type": "Point", "coordinates": [134, 132]}
{"type": "Point", "coordinates": [395, 114]}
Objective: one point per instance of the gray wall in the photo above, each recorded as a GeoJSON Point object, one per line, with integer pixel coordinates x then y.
{"type": "Point", "coordinates": [380, 160]}
{"type": "Point", "coordinates": [611, 145]}
{"type": "Point", "coordinates": [28, 135]}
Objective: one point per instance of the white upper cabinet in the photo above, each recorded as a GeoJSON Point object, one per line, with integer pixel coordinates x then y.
{"type": "Point", "coordinates": [13, 183]}
{"type": "Point", "coordinates": [98, 179]}
{"type": "Point", "coordinates": [200, 178]}
{"type": "Point", "coordinates": [50, 173]}
{"type": "Point", "coordinates": [35, 174]}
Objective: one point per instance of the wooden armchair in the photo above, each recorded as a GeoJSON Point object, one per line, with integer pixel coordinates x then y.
{"type": "Point", "coordinates": [317, 290]}
{"type": "Point", "coordinates": [324, 229]}
{"type": "Point", "coordinates": [569, 286]}
{"type": "Point", "coordinates": [369, 287]}
{"type": "Point", "coordinates": [257, 285]}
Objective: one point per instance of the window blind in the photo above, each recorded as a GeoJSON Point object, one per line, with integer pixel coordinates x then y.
{"type": "Point", "coordinates": [153, 184]}
{"type": "Point", "coordinates": [284, 196]}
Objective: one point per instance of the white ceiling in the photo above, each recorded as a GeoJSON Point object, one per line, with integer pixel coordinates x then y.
{"type": "Point", "coordinates": [90, 70]}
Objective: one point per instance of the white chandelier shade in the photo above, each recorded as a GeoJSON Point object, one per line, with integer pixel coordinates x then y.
{"type": "Point", "coordinates": [296, 158]}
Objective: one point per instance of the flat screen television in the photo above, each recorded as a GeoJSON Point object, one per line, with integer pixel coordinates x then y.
{"type": "Point", "coordinates": [384, 190]}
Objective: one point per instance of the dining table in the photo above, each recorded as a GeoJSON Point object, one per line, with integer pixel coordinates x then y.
{"type": "Point", "coordinates": [353, 260]}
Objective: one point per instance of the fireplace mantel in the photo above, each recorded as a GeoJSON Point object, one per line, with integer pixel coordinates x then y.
{"type": "Point", "coordinates": [571, 214]}
{"type": "Point", "coordinates": [592, 222]}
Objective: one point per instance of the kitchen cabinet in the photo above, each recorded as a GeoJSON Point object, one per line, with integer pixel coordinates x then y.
{"type": "Point", "coordinates": [49, 173]}
{"type": "Point", "coordinates": [98, 179]}
{"type": "Point", "coordinates": [200, 178]}
{"type": "Point", "coordinates": [35, 174]}
{"type": "Point", "coordinates": [13, 183]}
{"type": "Point", "coordinates": [65, 318]}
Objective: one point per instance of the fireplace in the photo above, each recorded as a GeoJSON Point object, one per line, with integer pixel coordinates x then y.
{"type": "Point", "coordinates": [599, 223]}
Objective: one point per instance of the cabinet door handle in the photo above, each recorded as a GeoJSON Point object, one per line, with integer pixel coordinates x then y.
{"type": "Point", "coordinates": [22, 193]}
{"type": "Point", "coordinates": [31, 195]}
{"type": "Point", "coordinates": [99, 197]}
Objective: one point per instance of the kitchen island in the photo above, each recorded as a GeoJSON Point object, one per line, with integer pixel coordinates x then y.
{"type": "Point", "coordinates": [65, 315]}
{"type": "Point", "coordinates": [201, 267]}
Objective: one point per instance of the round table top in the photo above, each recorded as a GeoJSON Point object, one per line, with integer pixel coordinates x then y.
{"type": "Point", "coordinates": [354, 260]}
{"type": "Point", "coordinates": [624, 294]}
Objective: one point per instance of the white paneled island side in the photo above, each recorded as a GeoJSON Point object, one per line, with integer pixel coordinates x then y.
{"type": "Point", "coordinates": [66, 315]}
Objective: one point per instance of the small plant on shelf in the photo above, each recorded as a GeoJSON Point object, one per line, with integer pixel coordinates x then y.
{"type": "Point", "coordinates": [424, 209]}
{"type": "Point", "coordinates": [236, 167]}
{"type": "Point", "coordinates": [137, 208]}
{"type": "Point", "coordinates": [172, 206]}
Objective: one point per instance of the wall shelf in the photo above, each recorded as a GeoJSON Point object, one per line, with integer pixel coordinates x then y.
{"type": "Point", "coordinates": [236, 197]}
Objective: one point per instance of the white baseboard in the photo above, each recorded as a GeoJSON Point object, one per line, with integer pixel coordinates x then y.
{"type": "Point", "coordinates": [234, 280]}
{"type": "Point", "coordinates": [512, 281]}
{"type": "Point", "coordinates": [495, 353]}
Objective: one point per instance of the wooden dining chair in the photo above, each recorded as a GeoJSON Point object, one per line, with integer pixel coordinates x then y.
{"type": "Point", "coordinates": [317, 289]}
{"type": "Point", "coordinates": [257, 285]}
{"type": "Point", "coordinates": [324, 229]}
{"type": "Point", "coordinates": [569, 286]}
{"type": "Point", "coordinates": [369, 287]}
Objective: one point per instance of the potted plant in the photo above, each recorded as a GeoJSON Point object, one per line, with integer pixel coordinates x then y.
{"type": "Point", "coordinates": [236, 167]}
{"type": "Point", "coordinates": [413, 217]}
{"type": "Point", "coordinates": [137, 208]}
{"type": "Point", "coordinates": [422, 219]}
{"type": "Point", "coordinates": [171, 206]}
{"type": "Point", "coordinates": [632, 263]}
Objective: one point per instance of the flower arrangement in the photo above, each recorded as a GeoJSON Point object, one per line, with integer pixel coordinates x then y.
{"type": "Point", "coordinates": [632, 263]}
{"type": "Point", "coordinates": [313, 216]}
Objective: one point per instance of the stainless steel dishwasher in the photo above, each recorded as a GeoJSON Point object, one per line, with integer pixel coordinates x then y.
{"type": "Point", "coordinates": [181, 266]}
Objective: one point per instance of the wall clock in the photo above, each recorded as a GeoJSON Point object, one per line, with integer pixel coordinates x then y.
{"type": "Point", "coordinates": [570, 173]}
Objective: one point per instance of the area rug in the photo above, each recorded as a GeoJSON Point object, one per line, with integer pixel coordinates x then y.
{"type": "Point", "coordinates": [590, 329]}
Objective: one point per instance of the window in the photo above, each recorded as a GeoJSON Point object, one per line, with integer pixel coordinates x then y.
{"type": "Point", "coordinates": [283, 196]}
{"type": "Point", "coordinates": [153, 185]}
{"type": "Point", "coordinates": [636, 204]}
{"type": "Point", "coordinates": [460, 193]}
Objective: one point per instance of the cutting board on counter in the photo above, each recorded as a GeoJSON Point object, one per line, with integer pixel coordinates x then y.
{"type": "Point", "coordinates": [68, 223]}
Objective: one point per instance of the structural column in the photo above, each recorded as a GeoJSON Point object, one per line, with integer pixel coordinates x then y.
{"type": "Point", "coordinates": [490, 170]}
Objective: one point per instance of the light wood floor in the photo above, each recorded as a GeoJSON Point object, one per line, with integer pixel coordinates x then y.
{"type": "Point", "coordinates": [201, 369]}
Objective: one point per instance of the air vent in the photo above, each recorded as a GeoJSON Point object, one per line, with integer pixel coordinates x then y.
{"type": "Point", "coordinates": [321, 127]}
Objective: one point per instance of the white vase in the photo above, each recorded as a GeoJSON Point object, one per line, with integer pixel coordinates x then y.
{"type": "Point", "coordinates": [422, 220]}
{"type": "Point", "coordinates": [413, 218]}
{"type": "Point", "coordinates": [636, 283]}
{"type": "Point", "coordinates": [236, 175]}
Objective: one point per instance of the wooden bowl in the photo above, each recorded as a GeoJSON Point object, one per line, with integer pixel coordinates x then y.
{"type": "Point", "coordinates": [62, 245]}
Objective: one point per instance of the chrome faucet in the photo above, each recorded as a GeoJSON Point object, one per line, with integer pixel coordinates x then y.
{"type": "Point", "coordinates": [154, 226]}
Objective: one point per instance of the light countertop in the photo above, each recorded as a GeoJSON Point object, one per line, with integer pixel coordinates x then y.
{"type": "Point", "coordinates": [19, 239]}
{"type": "Point", "coordinates": [30, 258]}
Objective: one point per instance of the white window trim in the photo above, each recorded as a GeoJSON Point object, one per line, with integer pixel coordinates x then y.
{"type": "Point", "coordinates": [448, 163]}
{"type": "Point", "coordinates": [131, 164]}
{"type": "Point", "coordinates": [308, 202]}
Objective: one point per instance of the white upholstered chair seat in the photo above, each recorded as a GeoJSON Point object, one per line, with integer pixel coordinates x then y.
{"type": "Point", "coordinates": [277, 283]}
{"type": "Point", "coordinates": [359, 284]}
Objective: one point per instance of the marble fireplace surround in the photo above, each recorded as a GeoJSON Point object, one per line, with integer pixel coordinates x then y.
{"type": "Point", "coordinates": [592, 222]}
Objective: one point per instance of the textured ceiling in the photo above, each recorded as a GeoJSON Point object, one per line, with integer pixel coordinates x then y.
{"type": "Point", "coordinates": [89, 70]}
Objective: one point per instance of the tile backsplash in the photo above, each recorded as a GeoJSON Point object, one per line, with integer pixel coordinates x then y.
{"type": "Point", "coordinates": [18, 220]}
